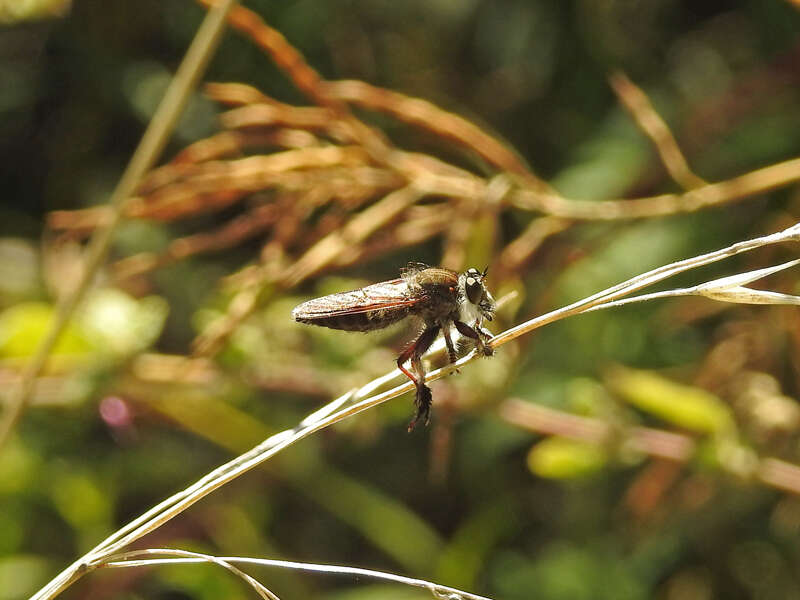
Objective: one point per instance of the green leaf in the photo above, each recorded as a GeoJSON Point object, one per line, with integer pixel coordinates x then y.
{"type": "Point", "coordinates": [21, 575]}
{"type": "Point", "coordinates": [16, 11]}
{"type": "Point", "coordinates": [23, 326]}
{"type": "Point", "coordinates": [81, 499]}
{"type": "Point", "coordinates": [686, 406]}
{"type": "Point", "coordinates": [563, 458]}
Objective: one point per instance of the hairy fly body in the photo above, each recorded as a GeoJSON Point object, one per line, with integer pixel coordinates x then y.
{"type": "Point", "coordinates": [439, 298]}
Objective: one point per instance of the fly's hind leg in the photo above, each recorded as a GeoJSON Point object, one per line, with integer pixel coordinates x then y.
{"type": "Point", "coordinates": [414, 353]}
{"type": "Point", "coordinates": [481, 336]}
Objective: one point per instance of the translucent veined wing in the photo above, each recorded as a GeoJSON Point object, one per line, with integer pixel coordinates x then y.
{"type": "Point", "coordinates": [412, 268]}
{"type": "Point", "coordinates": [371, 307]}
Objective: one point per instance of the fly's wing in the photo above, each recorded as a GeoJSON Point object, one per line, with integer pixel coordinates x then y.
{"type": "Point", "coordinates": [413, 268]}
{"type": "Point", "coordinates": [372, 307]}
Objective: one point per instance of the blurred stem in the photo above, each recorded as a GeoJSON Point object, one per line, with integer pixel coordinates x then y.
{"type": "Point", "coordinates": [146, 154]}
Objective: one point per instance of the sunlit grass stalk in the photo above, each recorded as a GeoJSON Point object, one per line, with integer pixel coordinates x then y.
{"type": "Point", "coordinates": [132, 559]}
{"type": "Point", "coordinates": [356, 401]}
{"type": "Point", "coordinates": [646, 279]}
{"type": "Point", "coordinates": [128, 559]}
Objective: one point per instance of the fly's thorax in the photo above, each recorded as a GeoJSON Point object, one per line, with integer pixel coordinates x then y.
{"type": "Point", "coordinates": [438, 287]}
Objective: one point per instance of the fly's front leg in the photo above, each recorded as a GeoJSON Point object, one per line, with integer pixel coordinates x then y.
{"type": "Point", "coordinates": [451, 349]}
{"type": "Point", "coordinates": [414, 353]}
{"type": "Point", "coordinates": [480, 335]}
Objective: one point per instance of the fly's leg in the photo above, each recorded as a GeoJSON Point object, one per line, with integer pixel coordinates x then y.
{"type": "Point", "coordinates": [451, 349]}
{"type": "Point", "coordinates": [414, 353]}
{"type": "Point", "coordinates": [480, 335]}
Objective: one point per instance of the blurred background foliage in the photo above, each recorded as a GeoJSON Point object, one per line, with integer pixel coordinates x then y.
{"type": "Point", "coordinates": [127, 414]}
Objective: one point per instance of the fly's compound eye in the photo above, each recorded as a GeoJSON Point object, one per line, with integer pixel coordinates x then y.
{"type": "Point", "coordinates": [474, 289]}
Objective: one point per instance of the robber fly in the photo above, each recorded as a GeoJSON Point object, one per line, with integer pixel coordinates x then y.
{"type": "Point", "coordinates": [438, 297]}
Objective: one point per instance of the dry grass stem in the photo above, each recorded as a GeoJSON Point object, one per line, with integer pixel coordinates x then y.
{"type": "Point", "coordinates": [646, 117]}
{"type": "Point", "coordinates": [449, 126]}
{"type": "Point", "coordinates": [605, 298]}
{"type": "Point", "coordinates": [131, 559]}
{"type": "Point", "coordinates": [737, 188]}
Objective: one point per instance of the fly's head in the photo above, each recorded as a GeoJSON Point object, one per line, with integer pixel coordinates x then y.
{"type": "Point", "coordinates": [478, 302]}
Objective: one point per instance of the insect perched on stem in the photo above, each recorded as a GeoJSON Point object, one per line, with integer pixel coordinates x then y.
{"type": "Point", "coordinates": [438, 297]}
